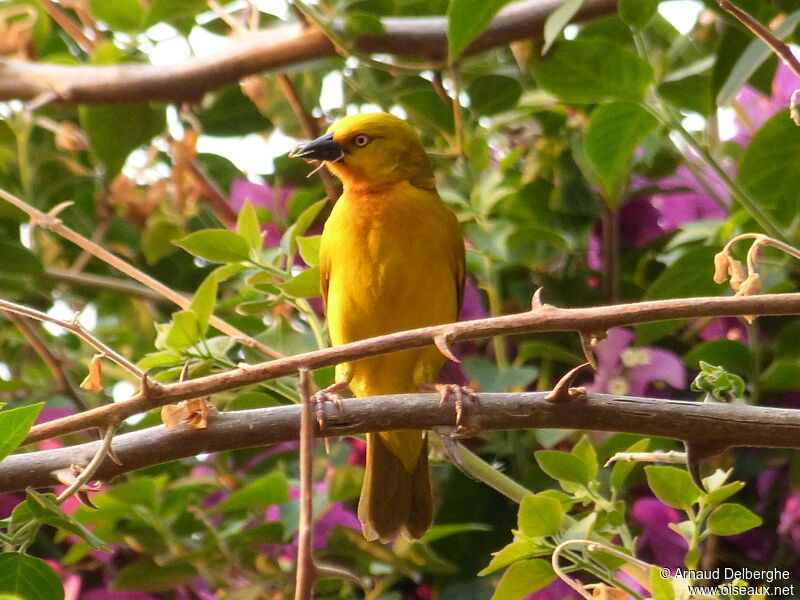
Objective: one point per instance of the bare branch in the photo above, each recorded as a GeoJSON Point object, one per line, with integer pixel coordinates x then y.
{"type": "Point", "coordinates": [724, 425]}
{"type": "Point", "coordinates": [548, 318]}
{"type": "Point", "coordinates": [51, 222]}
{"type": "Point", "coordinates": [75, 328]}
{"type": "Point", "coordinates": [271, 49]}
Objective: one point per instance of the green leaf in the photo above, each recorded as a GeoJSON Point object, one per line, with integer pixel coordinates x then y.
{"type": "Point", "coordinates": [146, 576]}
{"type": "Point", "coordinates": [466, 20]}
{"type": "Point", "coordinates": [28, 577]}
{"type": "Point", "coordinates": [300, 226]}
{"type": "Point", "coordinates": [45, 510]}
{"type": "Point", "coordinates": [426, 108]}
{"type": "Point", "coordinates": [660, 586]}
{"type": "Point", "coordinates": [271, 488]}
{"type": "Point", "coordinates": [248, 227]}
{"type": "Point", "coordinates": [752, 58]}
{"type": "Point", "coordinates": [672, 486]}
{"type": "Point", "coordinates": [523, 578]}
{"type": "Point", "coordinates": [588, 71]}
{"type": "Point", "coordinates": [557, 20]}
{"type": "Point", "coordinates": [730, 519]}
{"type": "Point", "coordinates": [309, 249]}
{"type": "Point", "coordinates": [216, 245]}
{"type": "Point", "coordinates": [781, 376]}
{"type": "Point", "coordinates": [718, 382]}
{"type": "Point", "coordinates": [516, 550]}
{"type": "Point", "coordinates": [491, 94]}
{"type": "Point", "coordinates": [729, 354]}
{"type": "Point", "coordinates": [723, 493]}
{"type": "Point", "coordinates": [540, 516]}
{"type": "Point", "coordinates": [623, 468]}
{"type": "Point", "coordinates": [770, 169]}
{"type": "Point", "coordinates": [492, 378]}
{"type": "Point", "coordinates": [115, 130]}
{"type": "Point", "coordinates": [614, 132]}
{"type": "Point", "coordinates": [637, 13]}
{"type": "Point", "coordinates": [119, 15]}
{"type": "Point", "coordinates": [439, 532]}
{"type": "Point", "coordinates": [586, 452]}
{"type": "Point", "coordinates": [562, 466]}
{"type": "Point", "coordinates": [345, 483]}
{"type": "Point", "coordinates": [184, 330]}
{"type": "Point", "coordinates": [232, 114]}
{"type": "Point", "coordinates": [357, 24]}
{"type": "Point", "coordinates": [15, 424]}
{"type": "Point", "coordinates": [203, 302]}
{"type": "Point", "coordinates": [691, 275]}
{"type": "Point", "coordinates": [305, 285]}
{"type": "Point", "coordinates": [15, 258]}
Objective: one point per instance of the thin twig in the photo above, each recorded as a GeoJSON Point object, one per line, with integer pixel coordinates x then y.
{"type": "Point", "coordinates": [89, 471]}
{"type": "Point", "coordinates": [106, 284]}
{"type": "Point", "coordinates": [310, 126]}
{"type": "Point", "coordinates": [217, 198]}
{"type": "Point", "coordinates": [69, 26]}
{"type": "Point", "coordinates": [306, 570]}
{"type": "Point", "coordinates": [766, 36]}
{"type": "Point", "coordinates": [591, 546]}
{"type": "Point", "coordinates": [54, 363]}
{"type": "Point", "coordinates": [75, 328]}
{"type": "Point", "coordinates": [548, 318]}
{"type": "Point", "coordinates": [49, 221]}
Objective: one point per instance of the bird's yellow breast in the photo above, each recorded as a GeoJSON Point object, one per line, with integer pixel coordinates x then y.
{"type": "Point", "coordinates": [392, 258]}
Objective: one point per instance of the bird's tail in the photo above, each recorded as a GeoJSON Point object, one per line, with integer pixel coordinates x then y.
{"type": "Point", "coordinates": [395, 499]}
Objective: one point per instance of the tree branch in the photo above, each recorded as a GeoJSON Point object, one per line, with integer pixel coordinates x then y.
{"type": "Point", "coordinates": [547, 318]}
{"type": "Point", "coordinates": [721, 425]}
{"type": "Point", "coordinates": [274, 48]}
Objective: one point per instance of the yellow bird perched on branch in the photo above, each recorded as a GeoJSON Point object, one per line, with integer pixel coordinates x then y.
{"type": "Point", "coordinates": [391, 259]}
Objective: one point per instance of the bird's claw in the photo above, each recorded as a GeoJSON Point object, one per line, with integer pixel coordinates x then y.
{"type": "Point", "coordinates": [319, 399]}
{"type": "Point", "coordinates": [458, 393]}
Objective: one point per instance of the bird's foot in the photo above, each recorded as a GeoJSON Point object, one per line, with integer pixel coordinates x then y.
{"type": "Point", "coordinates": [458, 393]}
{"type": "Point", "coordinates": [328, 394]}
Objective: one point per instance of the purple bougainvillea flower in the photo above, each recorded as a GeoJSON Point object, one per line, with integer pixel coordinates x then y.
{"type": "Point", "coordinates": [681, 198]}
{"type": "Point", "coordinates": [757, 109]}
{"type": "Point", "coordinates": [472, 305]}
{"type": "Point", "coordinates": [99, 594]}
{"type": "Point", "coordinates": [631, 370]}
{"type": "Point", "coordinates": [557, 590]}
{"type": "Point", "coordinates": [658, 543]}
{"type": "Point", "coordinates": [263, 196]}
{"type": "Point", "coordinates": [789, 524]}
{"type": "Point", "coordinates": [730, 328]}
{"type": "Point", "coordinates": [335, 515]}
{"type": "Point", "coordinates": [358, 452]}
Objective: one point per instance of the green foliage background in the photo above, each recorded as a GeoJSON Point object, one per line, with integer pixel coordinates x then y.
{"type": "Point", "coordinates": [542, 152]}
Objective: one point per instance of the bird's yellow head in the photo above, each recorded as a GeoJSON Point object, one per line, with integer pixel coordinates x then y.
{"type": "Point", "coordinates": [372, 150]}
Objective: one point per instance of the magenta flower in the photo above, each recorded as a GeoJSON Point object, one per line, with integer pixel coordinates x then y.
{"type": "Point", "coordinates": [631, 370]}
{"type": "Point", "coordinates": [789, 524]}
{"type": "Point", "coordinates": [334, 514]}
{"type": "Point", "coordinates": [658, 543]}
{"type": "Point", "coordinates": [263, 196]}
{"type": "Point", "coordinates": [557, 590]}
{"type": "Point", "coordinates": [681, 198]}
{"type": "Point", "coordinates": [757, 109]}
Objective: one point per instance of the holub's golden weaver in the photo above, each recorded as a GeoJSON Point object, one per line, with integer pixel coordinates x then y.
{"type": "Point", "coordinates": [391, 259]}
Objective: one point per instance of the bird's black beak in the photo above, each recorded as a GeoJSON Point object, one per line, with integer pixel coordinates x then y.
{"type": "Point", "coordinates": [322, 148]}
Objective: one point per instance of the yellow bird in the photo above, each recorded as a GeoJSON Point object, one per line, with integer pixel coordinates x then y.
{"type": "Point", "coordinates": [391, 258]}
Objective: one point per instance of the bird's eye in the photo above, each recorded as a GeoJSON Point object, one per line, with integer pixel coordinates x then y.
{"type": "Point", "coordinates": [361, 140]}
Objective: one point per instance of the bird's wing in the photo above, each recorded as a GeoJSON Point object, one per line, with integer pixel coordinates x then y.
{"type": "Point", "coordinates": [324, 273]}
